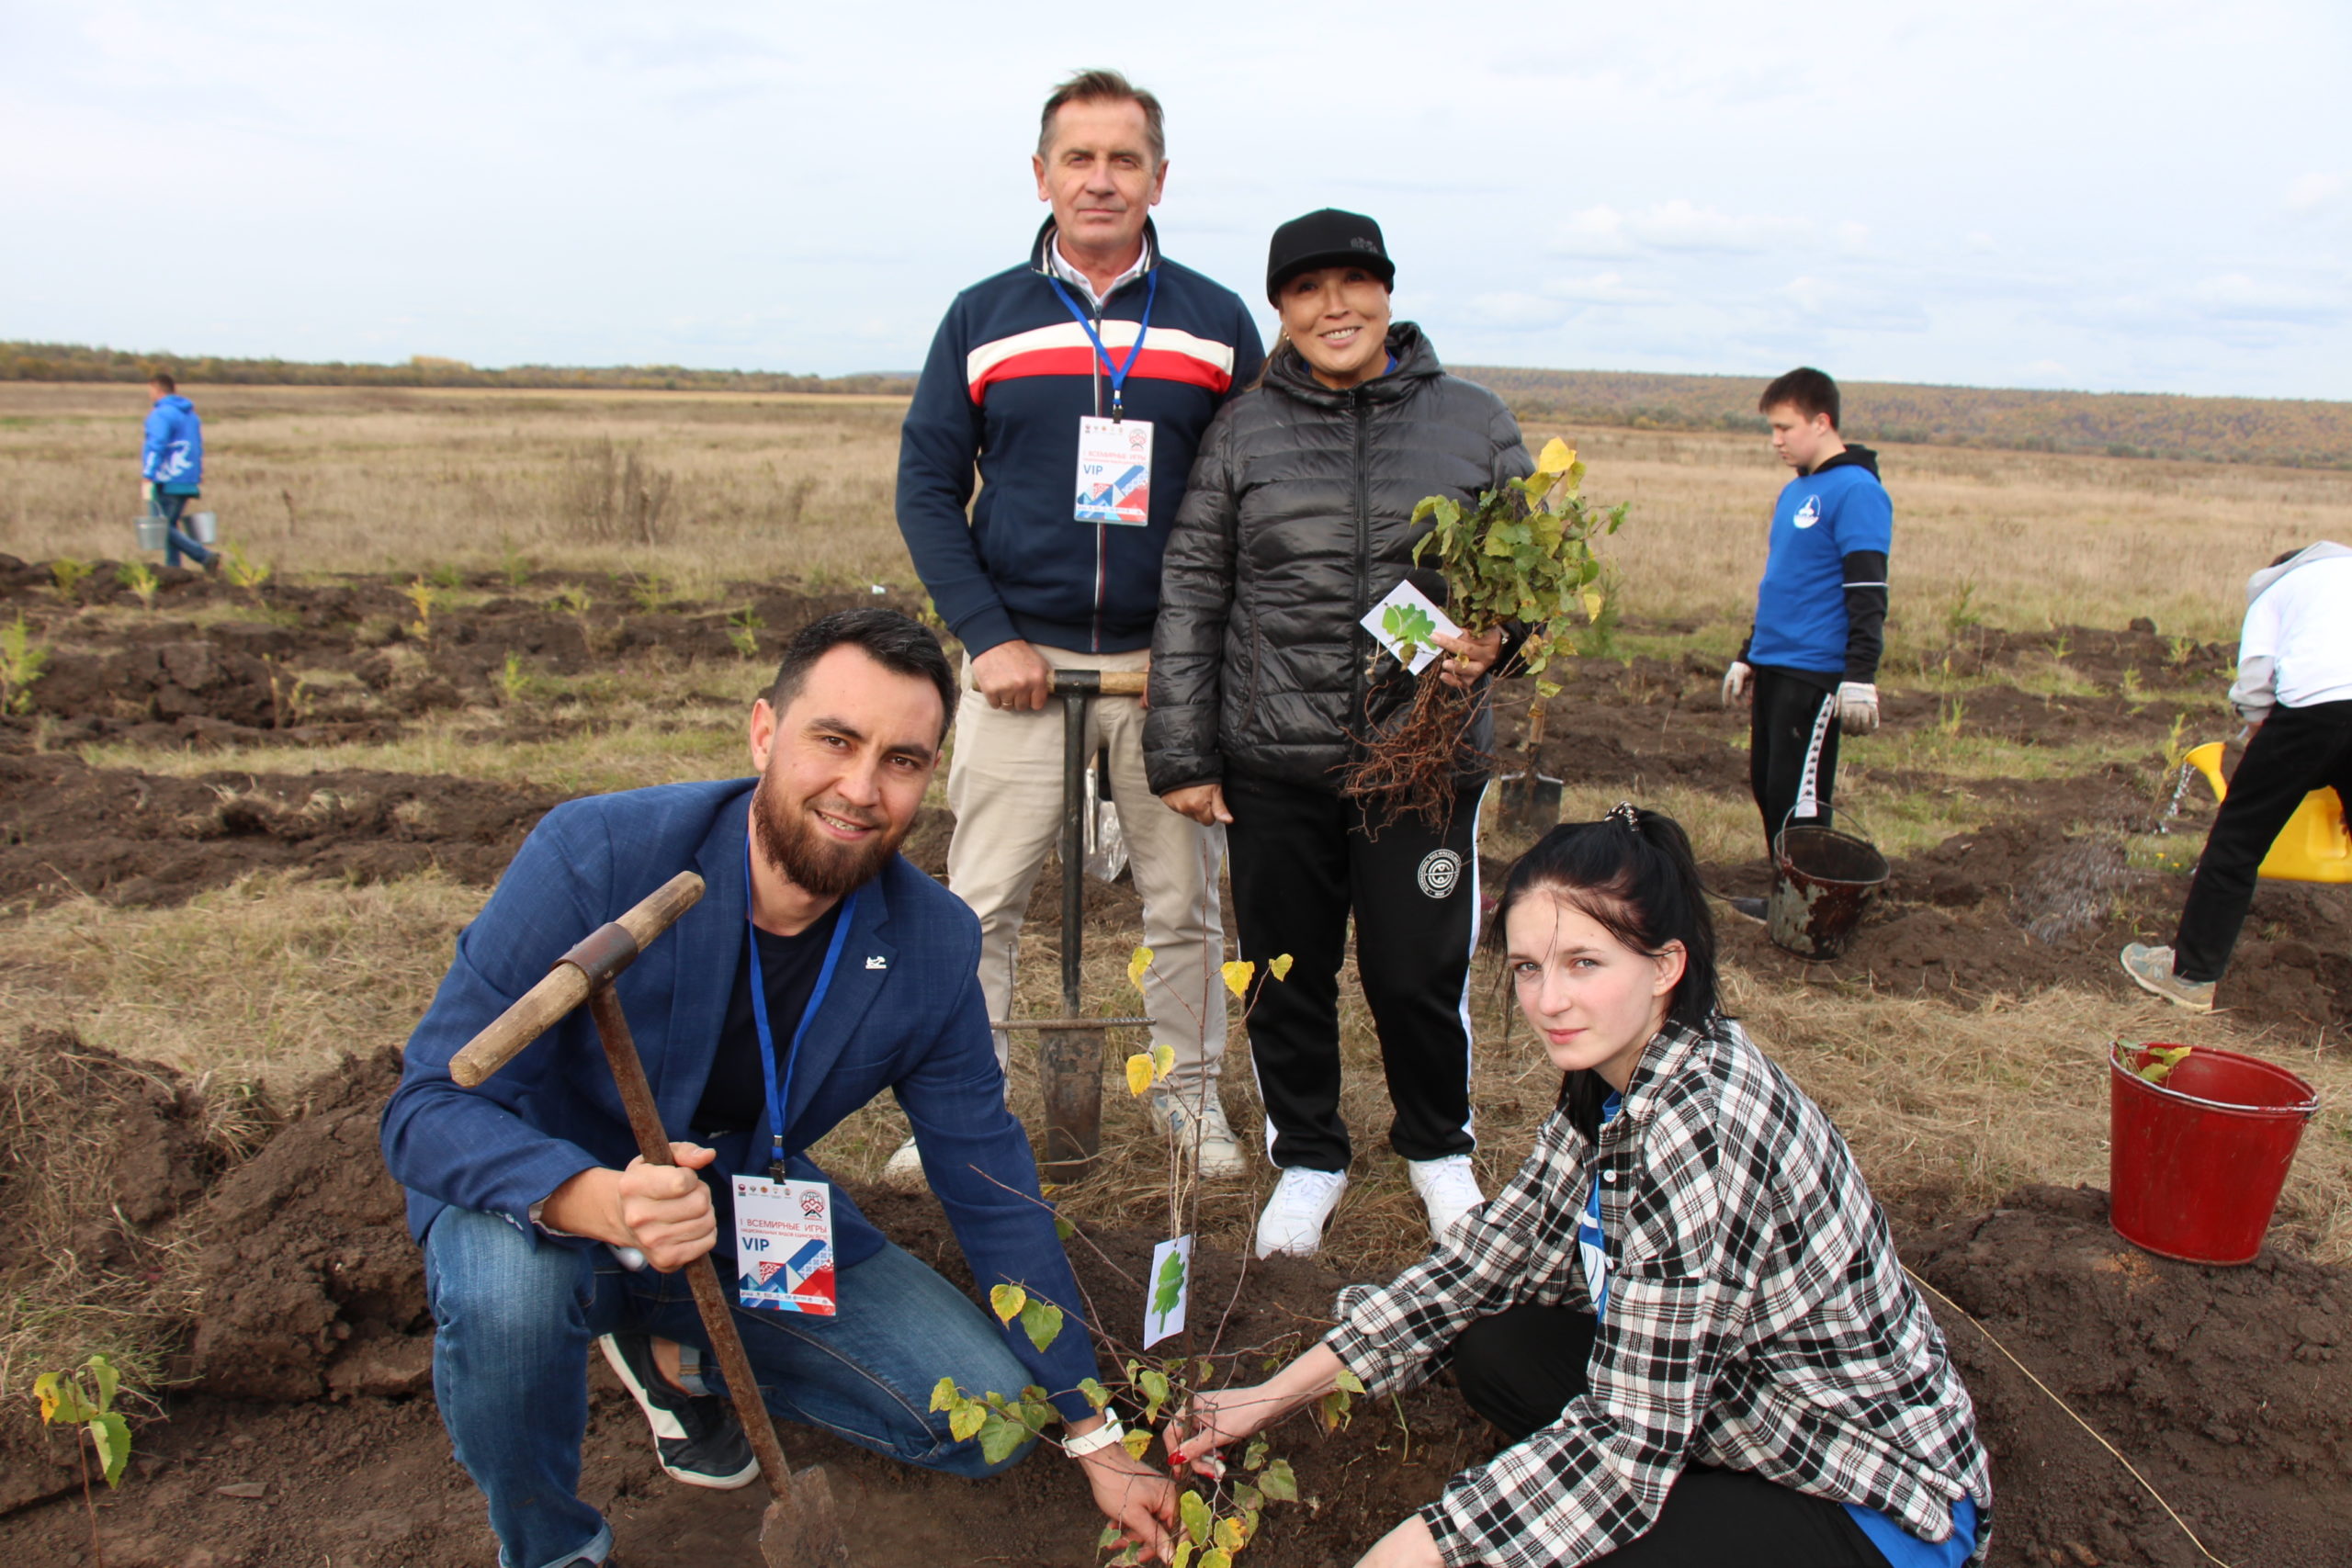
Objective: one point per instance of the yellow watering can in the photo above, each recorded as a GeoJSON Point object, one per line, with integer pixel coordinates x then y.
{"type": "Point", "coordinates": [2311, 847]}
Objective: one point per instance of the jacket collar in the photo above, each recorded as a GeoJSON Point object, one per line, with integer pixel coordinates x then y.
{"type": "Point", "coordinates": [1041, 256]}
{"type": "Point", "coordinates": [1415, 362]}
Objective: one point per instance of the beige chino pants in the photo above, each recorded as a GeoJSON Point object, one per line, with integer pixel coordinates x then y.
{"type": "Point", "coordinates": [1004, 784]}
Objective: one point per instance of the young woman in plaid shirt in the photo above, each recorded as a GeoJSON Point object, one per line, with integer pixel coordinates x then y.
{"type": "Point", "coordinates": [1685, 1312]}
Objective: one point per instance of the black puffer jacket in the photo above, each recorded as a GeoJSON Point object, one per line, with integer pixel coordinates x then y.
{"type": "Point", "coordinates": [1298, 520]}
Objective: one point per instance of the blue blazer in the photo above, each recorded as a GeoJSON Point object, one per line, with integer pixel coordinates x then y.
{"type": "Point", "coordinates": [904, 1014]}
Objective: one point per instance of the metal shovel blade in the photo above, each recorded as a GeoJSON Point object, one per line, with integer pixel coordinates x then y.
{"type": "Point", "coordinates": [806, 1532]}
{"type": "Point", "coordinates": [1530, 804]}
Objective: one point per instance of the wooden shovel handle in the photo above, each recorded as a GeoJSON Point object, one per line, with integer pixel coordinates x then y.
{"type": "Point", "coordinates": [539, 1009]}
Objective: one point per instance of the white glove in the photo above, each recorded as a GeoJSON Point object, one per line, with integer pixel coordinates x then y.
{"type": "Point", "coordinates": [1856, 707]}
{"type": "Point", "coordinates": [1736, 681]}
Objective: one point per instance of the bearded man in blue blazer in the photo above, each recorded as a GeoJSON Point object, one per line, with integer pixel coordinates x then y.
{"type": "Point", "coordinates": [541, 1229]}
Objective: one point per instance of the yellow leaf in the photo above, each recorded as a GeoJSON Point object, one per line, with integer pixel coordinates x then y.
{"type": "Point", "coordinates": [1279, 966]}
{"type": "Point", "coordinates": [1556, 458]}
{"type": "Point", "coordinates": [1138, 965]}
{"type": "Point", "coordinates": [1135, 1442]}
{"type": "Point", "coordinates": [45, 1389]}
{"type": "Point", "coordinates": [965, 1420]}
{"type": "Point", "coordinates": [1163, 1061]}
{"type": "Point", "coordinates": [1007, 1300]}
{"type": "Point", "coordinates": [1237, 974]}
{"type": "Point", "coordinates": [1138, 1074]}
{"type": "Point", "coordinates": [1591, 597]}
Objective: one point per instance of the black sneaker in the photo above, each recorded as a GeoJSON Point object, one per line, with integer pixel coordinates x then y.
{"type": "Point", "coordinates": [696, 1438]}
{"type": "Point", "coordinates": [1751, 908]}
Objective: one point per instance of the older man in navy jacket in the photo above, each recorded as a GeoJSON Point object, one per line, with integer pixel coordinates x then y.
{"type": "Point", "coordinates": [527, 1199]}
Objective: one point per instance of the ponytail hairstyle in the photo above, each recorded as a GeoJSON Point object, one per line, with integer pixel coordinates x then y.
{"type": "Point", "coordinates": [1633, 873]}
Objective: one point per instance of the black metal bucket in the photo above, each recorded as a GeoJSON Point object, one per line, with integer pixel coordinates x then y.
{"type": "Point", "coordinates": [1822, 884]}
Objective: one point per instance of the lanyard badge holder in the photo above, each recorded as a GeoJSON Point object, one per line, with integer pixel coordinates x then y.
{"type": "Point", "coordinates": [783, 1229]}
{"type": "Point", "coordinates": [1113, 454]}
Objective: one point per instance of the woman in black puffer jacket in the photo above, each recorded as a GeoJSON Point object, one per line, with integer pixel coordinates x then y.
{"type": "Point", "coordinates": [1297, 521]}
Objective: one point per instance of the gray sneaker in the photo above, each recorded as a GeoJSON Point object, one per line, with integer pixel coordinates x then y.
{"type": "Point", "coordinates": [2151, 970]}
{"type": "Point", "coordinates": [1220, 1152]}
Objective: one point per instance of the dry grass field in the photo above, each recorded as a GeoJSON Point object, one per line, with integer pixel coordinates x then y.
{"type": "Point", "coordinates": [271, 977]}
{"type": "Point", "coordinates": [2020, 712]}
{"type": "Point", "coordinates": [769, 486]}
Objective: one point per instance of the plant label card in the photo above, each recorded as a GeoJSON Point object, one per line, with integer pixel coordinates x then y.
{"type": "Point", "coordinates": [1115, 470]}
{"type": "Point", "coordinates": [1405, 622]}
{"type": "Point", "coordinates": [784, 1245]}
{"type": "Point", "coordinates": [1170, 1291]}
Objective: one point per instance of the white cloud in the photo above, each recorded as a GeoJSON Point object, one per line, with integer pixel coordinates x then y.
{"type": "Point", "coordinates": [2315, 191]}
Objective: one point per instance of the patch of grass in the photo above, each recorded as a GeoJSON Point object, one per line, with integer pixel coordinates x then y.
{"type": "Point", "coordinates": [698, 741]}
{"type": "Point", "coordinates": [269, 979]}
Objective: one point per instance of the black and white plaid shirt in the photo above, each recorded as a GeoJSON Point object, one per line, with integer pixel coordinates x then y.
{"type": "Point", "coordinates": [1759, 1320]}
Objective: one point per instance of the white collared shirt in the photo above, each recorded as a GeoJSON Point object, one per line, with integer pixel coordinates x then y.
{"type": "Point", "coordinates": [1070, 274]}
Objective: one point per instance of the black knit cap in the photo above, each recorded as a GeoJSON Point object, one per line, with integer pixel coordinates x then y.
{"type": "Point", "coordinates": [1328, 238]}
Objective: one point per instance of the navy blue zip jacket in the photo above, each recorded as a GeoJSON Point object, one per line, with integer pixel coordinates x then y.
{"type": "Point", "coordinates": [1011, 373]}
{"type": "Point", "coordinates": [903, 1014]}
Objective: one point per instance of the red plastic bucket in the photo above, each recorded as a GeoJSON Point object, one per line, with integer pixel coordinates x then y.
{"type": "Point", "coordinates": [2196, 1162]}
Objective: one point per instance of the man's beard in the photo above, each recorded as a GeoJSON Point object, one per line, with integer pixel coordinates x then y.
{"type": "Point", "coordinates": [794, 845]}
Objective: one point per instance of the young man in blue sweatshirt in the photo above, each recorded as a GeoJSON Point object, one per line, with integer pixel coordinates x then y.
{"type": "Point", "coordinates": [172, 468]}
{"type": "Point", "coordinates": [1811, 657]}
{"type": "Point", "coordinates": [1076, 386]}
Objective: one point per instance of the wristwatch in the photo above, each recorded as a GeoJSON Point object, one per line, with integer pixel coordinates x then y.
{"type": "Point", "coordinates": [1101, 1437]}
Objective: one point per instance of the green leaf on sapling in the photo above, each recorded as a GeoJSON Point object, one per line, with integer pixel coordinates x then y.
{"type": "Point", "coordinates": [1197, 1519]}
{"type": "Point", "coordinates": [1000, 1437]}
{"type": "Point", "coordinates": [1041, 1321]}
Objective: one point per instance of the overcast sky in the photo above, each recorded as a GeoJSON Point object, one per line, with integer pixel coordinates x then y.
{"type": "Point", "coordinates": [2139, 195]}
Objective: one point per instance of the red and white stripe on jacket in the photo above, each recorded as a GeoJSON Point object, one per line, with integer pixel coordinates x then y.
{"type": "Point", "coordinates": [1065, 349]}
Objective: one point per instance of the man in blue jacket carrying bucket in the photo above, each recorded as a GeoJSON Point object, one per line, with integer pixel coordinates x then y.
{"type": "Point", "coordinates": [172, 468]}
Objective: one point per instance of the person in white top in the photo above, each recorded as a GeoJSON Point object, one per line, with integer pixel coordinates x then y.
{"type": "Point", "coordinates": [2294, 690]}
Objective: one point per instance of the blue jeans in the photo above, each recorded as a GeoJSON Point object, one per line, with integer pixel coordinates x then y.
{"type": "Point", "coordinates": [168, 508]}
{"type": "Point", "coordinates": [514, 1314]}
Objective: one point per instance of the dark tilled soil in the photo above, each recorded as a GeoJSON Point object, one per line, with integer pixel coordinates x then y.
{"type": "Point", "coordinates": [307, 1365]}
{"type": "Point", "coordinates": [307, 1432]}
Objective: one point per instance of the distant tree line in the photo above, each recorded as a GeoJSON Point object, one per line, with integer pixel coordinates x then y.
{"type": "Point", "coordinates": [76, 362]}
{"type": "Point", "coordinates": [2292, 434]}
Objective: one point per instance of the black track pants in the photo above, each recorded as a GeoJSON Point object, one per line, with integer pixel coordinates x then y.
{"type": "Point", "coordinates": [1519, 1368]}
{"type": "Point", "coordinates": [2296, 751]}
{"type": "Point", "coordinates": [1302, 863]}
{"type": "Point", "coordinates": [1793, 709]}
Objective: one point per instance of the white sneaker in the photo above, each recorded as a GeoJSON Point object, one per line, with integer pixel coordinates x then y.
{"type": "Point", "coordinates": [1220, 1152]}
{"type": "Point", "coordinates": [903, 1170]}
{"type": "Point", "coordinates": [1448, 1189]}
{"type": "Point", "coordinates": [1293, 1221]}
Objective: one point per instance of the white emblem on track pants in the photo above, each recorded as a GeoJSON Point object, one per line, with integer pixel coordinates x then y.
{"type": "Point", "coordinates": [1441, 869]}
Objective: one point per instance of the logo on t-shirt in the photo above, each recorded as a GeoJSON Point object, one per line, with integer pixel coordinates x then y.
{"type": "Point", "coordinates": [1440, 869]}
{"type": "Point", "coordinates": [1810, 513]}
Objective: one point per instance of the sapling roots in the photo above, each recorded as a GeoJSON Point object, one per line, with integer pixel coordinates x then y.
{"type": "Point", "coordinates": [1410, 769]}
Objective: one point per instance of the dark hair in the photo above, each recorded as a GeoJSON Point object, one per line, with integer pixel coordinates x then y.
{"type": "Point", "coordinates": [900, 644]}
{"type": "Point", "coordinates": [2290, 555]}
{"type": "Point", "coordinates": [1811, 392]}
{"type": "Point", "coordinates": [1104, 87]}
{"type": "Point", "coordinates": [1633, 872]}
{"type": "Point", "coordinates": [162, 379]}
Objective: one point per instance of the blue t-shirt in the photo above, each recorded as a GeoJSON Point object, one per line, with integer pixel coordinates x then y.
{"type": "Point", "coordinates": [1899, 1546]}
{"type": "Point", "coordinates": [1821, 519]}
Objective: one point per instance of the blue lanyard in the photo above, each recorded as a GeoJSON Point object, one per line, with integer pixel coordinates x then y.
{"type": "Point", "coordinates": [780, 1098]}
{"type": "Point", "coordinates": [1118, 373]}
